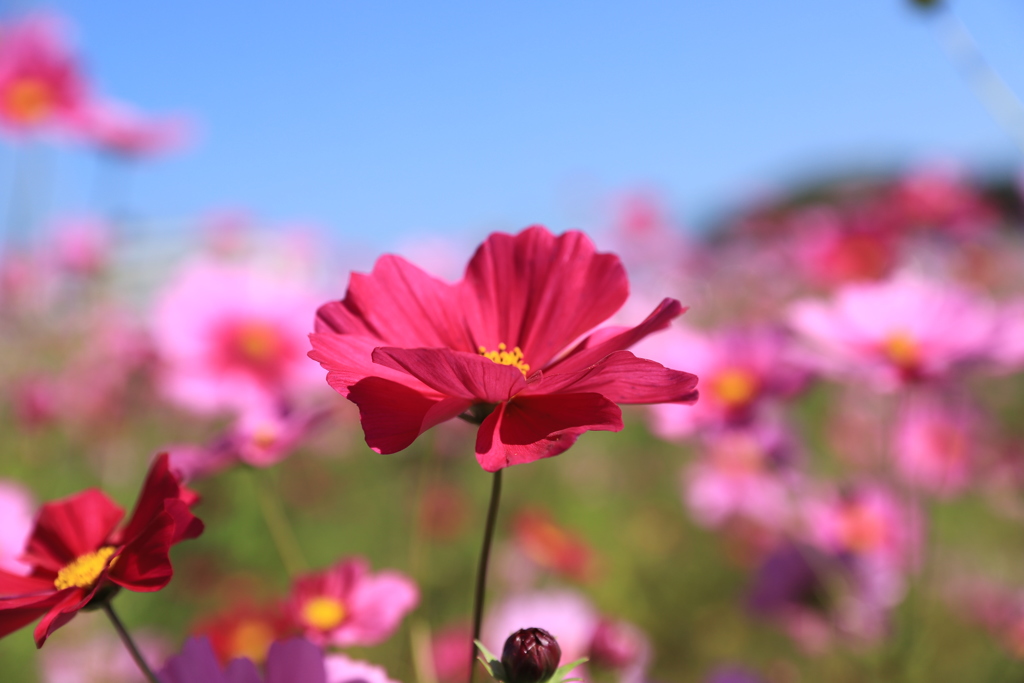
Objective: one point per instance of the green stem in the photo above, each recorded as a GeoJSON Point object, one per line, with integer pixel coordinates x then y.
{"type": "Point", "coordinates": [481, 572]}
{"type": "Point", "coordinates": [133, 650]}
{"type": "Point", "coordinates": [281, 532]}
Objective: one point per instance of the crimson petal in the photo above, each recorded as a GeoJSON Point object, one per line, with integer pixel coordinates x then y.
{"type": "Point", "coordinates": [454, 373]}
{"type": "Point", "coordinates": [69, 528]}
{"type": "Point", "coordinates": [621, 377]}
{"type": "Point", "coordinates": [533, 427]}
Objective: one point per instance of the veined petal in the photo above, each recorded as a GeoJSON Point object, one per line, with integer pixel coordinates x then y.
{"type": "Point", "coordinates": [529, 428]}
{"type": "Point", "coordinates": [393, 415]}
{"type": "Point", "coordinates": [586, 354]}
{"type": "Point", "coordinates": [621, 377]}
{"type": "Point", "coordinates": [400, 305]}
{"type": "Point", "coordinates": [540, 292]}
{"type": "Point", "coordinates": [455, 373]}
{"type": "Point", "coordinates": [63, 611]}
{"type": "Point", "coordinates": [69, 528]}
{"type": "Point", "coordinates": [143, 565]}
{"type": "Point", "coordinates": [349, 359]}
{"type": "Point", "coordinates": [161, 485]}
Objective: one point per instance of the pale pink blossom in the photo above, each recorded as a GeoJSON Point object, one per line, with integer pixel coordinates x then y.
{"type": "Point", "coordinates": [17, 517]}
{"type": "Point", "coordinates": [118, 129]}
{"type": "Point", "coordinates": [81, 246]}
{"type": "Point", "coordinates": [565, 614]}
{"type": "Point", "coordinates": [347, 605]}
{"type": "Point", "coordinates": [904, 330]}
{"type": "Point", "coordinates": [342, 669]}
{"type": "Point", "coordinates": [740, 370]}
{"type": "Point", "coordinates": [937, 446]}
{"type": "Point", "coordinates": [98, 657]}
{"type": "Point", "coordinates": [746, 473]}
{"type": "Point", "coordinates": [231, 337]}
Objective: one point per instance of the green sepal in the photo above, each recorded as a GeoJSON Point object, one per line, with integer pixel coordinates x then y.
{"type": "Point", "coordinates": [564, 669]}
{"type": "Point", "coordinates": [491, 663]}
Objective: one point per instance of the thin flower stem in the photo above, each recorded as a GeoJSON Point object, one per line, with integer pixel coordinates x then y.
{"type": "Point", "coordinates": [133, 650]}
{"type": "Point", "coordinates": [281, 532]}
{"type": "Point", "coordinates": [481, 572]}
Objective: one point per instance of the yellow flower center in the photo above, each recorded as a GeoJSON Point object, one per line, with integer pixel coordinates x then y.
{"type": "Point", "coordinates": [252, 639]}
{"type": "Point", "coordinates": [734, 387]}
{"type": "Point", "coordinates": [258, 342]}
{"type": "Point", "coordinates": [83, 572]}
{"type": "Point", "coordinates": [323, 613]}
{"type": "Point", "coordinates": [505, 357]}
{"type": "Point", "coordinates": [29, 100]}
{"type": "Point", "coordinates": [902, 349]}
{"type": "Point", "coordinates": [862, 530]}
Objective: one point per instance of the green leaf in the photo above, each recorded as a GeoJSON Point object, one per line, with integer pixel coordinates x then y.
{"type": "Point", "coordinates": [561, 671]}
{"type": "Point", "coordinates": [491, 663]}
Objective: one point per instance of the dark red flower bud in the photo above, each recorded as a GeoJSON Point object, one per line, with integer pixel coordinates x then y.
{"type": "Point", "coordinates": [531, 655]}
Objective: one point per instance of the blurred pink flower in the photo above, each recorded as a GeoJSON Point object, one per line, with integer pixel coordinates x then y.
{"type": "Point", "coordinates": [289, 661]}
{"type": "Point", "coordinates": [342, 669]}
{"type": "Point", "coordinates": [346, 605]}
{"type": "Point", "coordinates": [836, 245]}
{"type": "Point", "coordinates": [743, 473]}
{"type": "Point", "coordinates": [936, 446]}
{"type": "Point", "coordinates": [119, 130]}
{"type": "Point", "coordinates": [623, 647]}
{"type": "Point", "coordinates": [99, 657]}
{"type": "Point", "coordinates": [740, 368]}
{"type": "Point", "coordinates": [234, 338]}
{"type": "Point", "coordinates": [81, 246]}
{"type": "Point", "coordinates": [17, 512]}
{"type": "Point", "coordinates": [939, 198]}
{"type": "Point", "coordinates": [868, 527]}
{"type": "Point", "coordinates": [906, 329]}
{"type": "Point", "coordinates": [40, 83]}
{"type": "Point", "coordinates": [449, 649]}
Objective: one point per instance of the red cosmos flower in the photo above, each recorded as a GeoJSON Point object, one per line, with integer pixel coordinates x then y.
{"type": "Point", "coordinates": [76, 551]}
{"type": "Point", "coordinates": [413, 351]}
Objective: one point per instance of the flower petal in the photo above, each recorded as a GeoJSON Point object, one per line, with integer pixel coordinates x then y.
{"type": "Point", "coordinates": [529, 428]}
{"type": "Point", "coordinates": [348, 359]}
{"type": "Point", "coordinates": [400, 305]}
{"type": "Point", "coordinates": [621, 377]}
{"type": "Point", "coordinates": [586, 354]}
{"type": "Point", "coordinates": [69, 528]}
{"type": "Point", "coordinates": [195, 664]}
{"type": "Point", "coordinates": [143, 565]}
{"type": "Point", "coordinates": [295, 661]}
{"type": "Point", "coordinates": [455, 373]}
{"type": "Point", "coordinates": [162, 485]}
{"type": "Point", "coordinates": [63, 611]}
{"type": "Point", "coordinates": [378, 603]}
{"type": "Point", "coordinates": [393, 415]}
{"type": "Point", "coordinates": [540, 292]}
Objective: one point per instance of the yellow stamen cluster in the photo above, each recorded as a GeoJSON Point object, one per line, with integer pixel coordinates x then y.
{"type": "Point", "coordinates": [734, 387]}
{"type": "Point", "coordinates": [83, 572]}
{"type": "Point", "coordinates": [323, 613]}
{"type": "Point", "coordinates": [902, 349]}
{"type": "Point", "coordinates": [252, 639]}
{"type": "Point", "coordinates": [505, 357]}
{"type": "Point", "coordinates": [29, 100]}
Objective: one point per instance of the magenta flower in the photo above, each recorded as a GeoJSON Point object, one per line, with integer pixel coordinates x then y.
{"type": "Point", "coordinates": [17, 510]}
{"type": "Point", "coordinates": [901, 331]}
{"type": "Point", "coordinates": [233, 338]}
{"type": "Point", "coordinates": [40, 83]}
{"type": "Point", "coordinates": [346, 605]}
{"type": "Point", "coordinates": [502, 346]}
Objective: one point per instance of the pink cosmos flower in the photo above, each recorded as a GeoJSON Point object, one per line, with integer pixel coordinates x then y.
{"type": "Point", "coordinates": [904, 330]}
{"type": "Point", "coordinates": [81, 246]}
{"type": "Point", "coordinates": [939, 198]}
{"type": "Point", "coordinates": [936, 446]}
{"type": "Point", "coordinates": [233, 338]}
{"type": "Point", "coordinates": [741, 369]}
{"type": "Point", "coordinates": [346, 605]}
{"type": "Point", "coordinates": [342, 669]}
{"type": "Point", "coordinates": [40, 83]}
{"type": "Point", "coordinates": [413, 351]}
{"type": "Point", "coordinates": [17, 510]}
{"type": "Point", "coordinates": [743, 473]}
{"type": "Point", "coordinates": [870, 528]}
{"type": "Point", "coordinates": [448, 650]}
{"type": "Point", "coordinates": [118, 129]}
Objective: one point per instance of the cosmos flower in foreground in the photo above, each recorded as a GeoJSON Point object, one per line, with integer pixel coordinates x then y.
{"type": "Point", "coordinates": [346, 605]}
{"type": "Point", "coordinates": [502, 347]}
{"type": "Point", "coordinates": [77, 553]}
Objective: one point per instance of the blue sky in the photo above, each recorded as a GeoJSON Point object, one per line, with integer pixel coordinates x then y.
{"type": "Point", "coordinates": [383, 119]}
